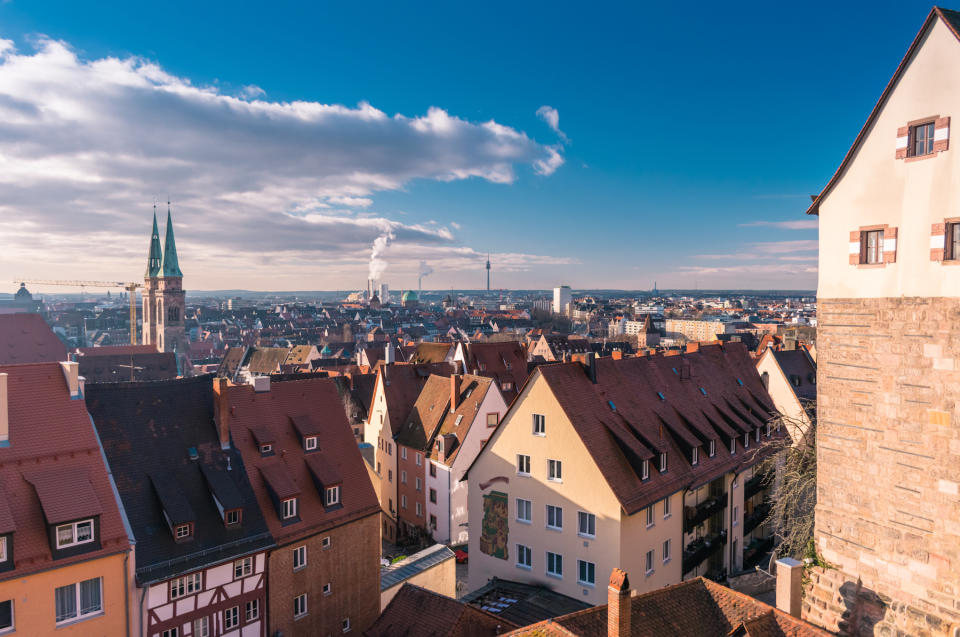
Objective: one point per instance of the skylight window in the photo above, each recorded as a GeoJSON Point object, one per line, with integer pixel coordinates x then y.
{"type": "Point", "coordinates": [703, 391]}
{"type": "Point", "coordinates": [661, 396]}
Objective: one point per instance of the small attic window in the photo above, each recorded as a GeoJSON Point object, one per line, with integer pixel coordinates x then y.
{"type": "Point", "coordinates": [183, 532]}
{"type": "Point", "coordinates": [232, 517]}
{"type": "Point", "coordinates": [458, 420]}
{"type": "Point", "coordinates": [661, 396]}
{"type": "Point", "coordinates": [310, 443]}
{"type": "Point", "coordinates": [266, 449]}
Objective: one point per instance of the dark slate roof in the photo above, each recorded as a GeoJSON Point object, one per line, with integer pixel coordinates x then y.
{"type": "Point", "coordinates": [414, 564]}
{"type": "Point", "coordinates": [148, 431]}
{"type": "Point", "coordinates": [113, 363]}
{"type": "Point", "coordinates": [800, 371]}
{"type": "Point", "coordinates": [522, 604]}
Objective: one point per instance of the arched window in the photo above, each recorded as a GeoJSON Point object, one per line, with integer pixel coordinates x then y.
{"type": "Point", "coordinates": [173, 314]}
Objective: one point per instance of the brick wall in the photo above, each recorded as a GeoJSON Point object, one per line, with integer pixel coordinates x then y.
{"type": "Point", "coordinates": [352, 567]}
{"type": "Point", "coordinates": [888, 510]}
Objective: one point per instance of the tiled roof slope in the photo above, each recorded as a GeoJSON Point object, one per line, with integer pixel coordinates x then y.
{"type": "Point", "coordinates": [272, 411]}
{"type": "Point", "coordinates": [53, 444]}
{"type": "Point", "coordinates": [402, 385]}
{"type": "Point", "coordinates": [231, 362]}
{"type": "Point", "coordinates": [711, 394]}
{"type": "Point", "coordinates": [114, 350]}
{"type": "Point", "coordinates": [502, 362]}
{"type": "Point", "coordinates": [694, 607]}
{"type": "Point", "coordinates": [426, 414]}
{"type": "Point", "coordinates": [473, 389]}
{"type": "Point", "coordinates": [800, 370]}
{"type": "Point", "coordinates": [266, 360]}
{"type": "Point", "coordinates": [430, 353]}
{"type": "Point", "coordinates": [26, 338]}
{"type": "Point", "coordinates": [148, 430]}
{"type": "Point", "coordinates": [417, 612]}
{"type": "Point", "coordinates": [521, 603]}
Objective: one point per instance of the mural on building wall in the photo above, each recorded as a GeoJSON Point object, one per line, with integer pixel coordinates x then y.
{"type": "Point", "coordinates": [493, 537]}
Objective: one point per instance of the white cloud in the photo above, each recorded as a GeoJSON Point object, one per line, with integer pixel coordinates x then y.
{"type": "Point", "coordinates": [86, 145]}
{"type": "Point", "coordinates": [797, 224]}
{"type": "Point", "coordinates": [551, 117]}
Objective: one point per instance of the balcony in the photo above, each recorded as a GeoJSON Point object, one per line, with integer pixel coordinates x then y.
{"type": "Point", "coordinates": [754, 553]}
{"type": "Point", "coordinates": [693, 516]}
{"type": "Point", "coordinates": [702, 548]}
{"type": "Point", "coordinates": [756, 518]}
{"type": "Point", "coordinates": [755, 485]}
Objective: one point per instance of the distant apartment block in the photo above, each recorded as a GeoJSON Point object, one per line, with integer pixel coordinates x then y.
{"type": "Point", "coordinates": [697, 330]}
{"type": "Point", "coordinates": [888, 353]}
{"type": "Point", "coordinates": [562, 296]}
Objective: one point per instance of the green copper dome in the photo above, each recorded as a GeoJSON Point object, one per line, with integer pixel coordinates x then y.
{"type": "Point", "coordinates": [409, 295]}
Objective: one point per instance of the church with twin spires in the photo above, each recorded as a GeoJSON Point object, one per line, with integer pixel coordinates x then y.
{"type": "Point", "coordinates": [163, 295]}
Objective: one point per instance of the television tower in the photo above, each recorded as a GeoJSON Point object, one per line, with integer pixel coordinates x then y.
{"type": "Point", "coordinates": [488, 272]}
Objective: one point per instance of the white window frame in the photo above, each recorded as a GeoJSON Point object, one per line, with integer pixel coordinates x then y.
{"type": "Point", "coordinates": [403, 501]}
{"type": "Point", "coordinates": [300, 557]}
{"type": "Point", "coordinates": [695, 456]}
{"type": "Point", "coordinates": [403, 452]}
{"type": "Point", "coordinates": [736, 515]}
{"type": "Point", "coordinates": [539, 425]}
{"type": "Point", "coordinates": [327, 589]}
{"type": "Point", "coordinates": [419, 458]}
{"type": "Point", "coordinates": [181, 531]}
{"type": "Point", "coordinates": [419, 510]}
{"type": "Point", "coordinates": [231, 617]}
{"type": "Point", "coordinates": [186, 585]}
{"type": "Point", "coordinates": [301, 601]}
{"type": "Point", "coordinates": [79, 611]}
{"type": "Point", "coordinates": [254, 606]}
{"type": "Point", "coordinates": [345, 625]}
{"type": "Point", "coordinates": [746, 440]}
{"type": "Point", "coordinates": [645, 470]}
{"type": "Point", "coordinates": [332, 495]}
{"type": "Point", "coordinates": [591, 522]}
{"type": "Point", "coordinates": [663, 462]}
{"type": "Point", "coordinates": [288, 508]}
{"type": "Point", "coordinates": [713, 448]}
{"type": "Point", "coordinates": [589, 565]}
{"type": "Point", "coordinates": [523, 461]}
{"type": "Point", "coordinates": [266, 448]}
{"type": "Point", "coordinates": [524, 506]}
{"type": "Point", "coordinates": [524, 551]}
{"type": "Point", "coordinates": [403, 476]}
{"type": "Point", "coordinates": [557, 561]}
{"type": "Point", "coordinates": [666, 551]}
{"type": "Point", "coordinates": [3, 549]}
{"type": "Point", "coordinates": [201, 626]}
{"type": "Point", "coordinates": [310, 443]}
{"type": "Point", "coordinates": [649, 563]}
{"type": "Point", "coordinates": [554, 470]}
{"type": "Point", "coordinates": [325, 542]}
{"type": "Point", "coordinates": [74, 533]}
{"type": "Point", "coordinates": [733, 446]}
{"type": "Point", "coordinates": [242, 567]}
{"type": "Point", "coordinates": [557, 517]}
{"type": "Point", "coordinates": [418, 484]}
{"type": "Point", "coordinates": [232, 513]}
{"type": "Point", "coordinates": [649, 510]}
{"type": "Point", "coordinates": [666, 508]}
{"type": "Point", "coordinates": [13, 617]}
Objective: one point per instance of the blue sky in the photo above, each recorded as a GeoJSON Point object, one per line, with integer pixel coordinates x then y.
{"type": "Point", "coordinates": [677, 129]}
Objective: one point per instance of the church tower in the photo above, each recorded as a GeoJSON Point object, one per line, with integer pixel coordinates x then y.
{"type": "Point", "coordinates": [163, 296]}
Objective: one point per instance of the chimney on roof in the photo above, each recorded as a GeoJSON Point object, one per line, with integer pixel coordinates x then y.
{"type": "Point", "coordinates": [221, 411]}
{"type": "Point", "coordinates": [789, 585]}
{"type": "Point", "coordinates": [693, 347]}
{"type": "Point", "coordinates": [388, 354]}
{"type": "Point", "coordinates": [4, 412]}
{"type": "Point", "coordinates": [591, 366]}
{"type": "Point", "coordinates": [454, 392]}
{"type": "Point", "coordinates": [71, 373]}
{"type": "Point", "coordinates": [616, 355]}
{"type": "Point", "coordinates": [618, 605]}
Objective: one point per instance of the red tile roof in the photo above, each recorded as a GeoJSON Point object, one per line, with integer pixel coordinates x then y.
{"type": "Point", "coordinates": [503, 362]}
{"type": "Point", "coordinates": [26, 338]}
{"type": "Point", "coordinates": [287, 470]}
{"type": "Point", "coordinates": [694, 607]}
{"type": "Point", "coordinates": [402, 385]}
{"type": "Point", "coordinates": [417, 612]}
{"type": "Point", "coordinates": [52, 444]}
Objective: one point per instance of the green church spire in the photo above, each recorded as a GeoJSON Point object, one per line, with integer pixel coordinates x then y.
{"type": "Point", "coordinates": [155, 256]}
{"type": "Point", "coordinates": [171, 267]}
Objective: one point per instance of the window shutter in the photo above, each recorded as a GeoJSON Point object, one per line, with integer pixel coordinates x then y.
{"type": "Point", "coordinates": [903, 138]}
{"type": "Point", "coordinates": [889, 245]}
{"type": "Point", "coordinates": [855, 247]}
{"type": "Point", "coordinates": [937, 242]}
{"type": "Point", "coordinates": [941, 134]}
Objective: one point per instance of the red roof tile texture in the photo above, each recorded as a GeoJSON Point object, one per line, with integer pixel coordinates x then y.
{"type": "Point", "coordinates": [26, 338]}
{"type": "Point", "coordinates": [287, 469]}
{"type": "Point", "coordinates": [417, 612]}
{"type": "Point", "coordinates": [52, 444]}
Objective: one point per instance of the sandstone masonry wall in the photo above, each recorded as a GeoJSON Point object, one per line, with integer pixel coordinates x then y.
{"type": "Point", "coordinates": [888, 451]}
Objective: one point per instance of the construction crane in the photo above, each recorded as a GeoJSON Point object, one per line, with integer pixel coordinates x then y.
{"type": "Point", "coordinates": [131, 289]}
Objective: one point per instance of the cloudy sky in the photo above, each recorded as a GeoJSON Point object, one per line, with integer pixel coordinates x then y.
{"type": "Point", "coordinates": [303, 148]}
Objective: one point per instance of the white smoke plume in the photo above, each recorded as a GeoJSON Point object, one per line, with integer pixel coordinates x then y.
{"type": "Point", "coordinates": [425, 270]}
{"type": "Point", "coordinates": [377, 264]}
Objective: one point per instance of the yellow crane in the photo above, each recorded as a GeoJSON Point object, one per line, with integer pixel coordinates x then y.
{"type": "Point", "coordinates": [131, 289]}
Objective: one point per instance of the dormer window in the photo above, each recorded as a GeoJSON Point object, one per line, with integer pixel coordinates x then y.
{"type": "Point", "coordinates": [74, 534]}
{"type": "Point", "coordinates": [645, 470]}
{"type": "Point", "coordinates": [663, 462]}
{"type": "Point", "coordinates": [695, 456]}
{"type": "Point", "coordinates": [3, 549]}
{"type": "Point", "coordinates": [183, 531]}
{"type": "Point", "coordinates": [289, 509]}
{"type": "Point", "coordinates": [746, 440]}
{"type": "Point", "coordinates": [232, 517]}
{"type": "Point", "coordinates": [266, 449]}
{"type": "Point", "coordinates": [713, 448]}
{"type": "Point", "coordinates": [756, 434]}
{"type": "Point", "coordinates": [331, 495]}
{"type": "Point", "coordinates": [733, 446]}
{"type": "Point", "coordinates": [310, 443]}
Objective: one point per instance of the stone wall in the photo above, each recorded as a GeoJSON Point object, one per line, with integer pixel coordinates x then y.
{"type": "Point", "coordinates": [888, 510]}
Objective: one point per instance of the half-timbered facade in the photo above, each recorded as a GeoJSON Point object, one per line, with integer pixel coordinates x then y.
{"type": "Point", "coordinates": [201, 538]}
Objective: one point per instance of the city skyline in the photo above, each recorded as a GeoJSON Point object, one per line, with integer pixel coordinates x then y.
{"type": "Point", "coordinates": [303, 163]}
